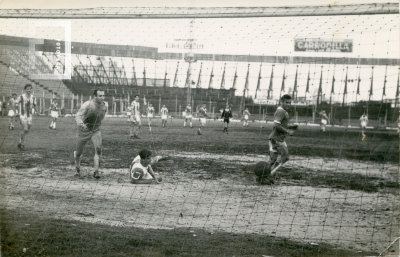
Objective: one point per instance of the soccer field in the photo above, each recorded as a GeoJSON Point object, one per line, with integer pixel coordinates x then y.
{"type": "Point", "coordinates": [338, 194]}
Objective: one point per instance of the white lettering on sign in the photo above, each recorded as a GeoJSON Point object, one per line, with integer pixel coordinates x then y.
{"type": "Point", "coordinates": [321, 45]}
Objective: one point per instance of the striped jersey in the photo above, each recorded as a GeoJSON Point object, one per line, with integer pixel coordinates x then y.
{"type": "Point", "coordinates": [188, 109]}
{"type": "Point", "coordinates": [135, 108]}
{"type": "Point", "coordinates": [164, 111]}
{"type": "Point", "coordinates": [26, 103]}
{"type": "Point", "coordinates": [150, 110]}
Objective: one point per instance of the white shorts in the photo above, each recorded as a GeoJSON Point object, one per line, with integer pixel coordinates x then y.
{"type": "Point", "coordinates": [128, 114]}
{"type": "Point", "coordinates": [25, 121]}
{"type": "Point", "coordinates": [246, 117]}
{"type": "Point", "coordinates": [11, 113]}
{"type": "Point", "coordinates": [363, 124]}
{"type": "Point", "coordinates": [189, 116]}
{"type": "Point", "coordinates": [184, 114]}
{"type": "Point", "coordinates": [323, 122]}
{"type": "Point", "coordinates": [164, 117]}
{"type": "Point", "coordinates": [150, 115]}
{"type": "Point", "coordinates": [203, 121]}
{"type": "Point", "coordinates": [54, 114]}
{"type": "Point", "coordinates": [136, 119]}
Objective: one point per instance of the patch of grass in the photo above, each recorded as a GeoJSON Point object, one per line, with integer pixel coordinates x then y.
{"type": "Point", "coordinates": [56, 237]}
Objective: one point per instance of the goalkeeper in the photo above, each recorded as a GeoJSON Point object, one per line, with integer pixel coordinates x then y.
{"type": "Point", "coordinates": [277, 144]}
{"type": "Point", "coordinates": [141, 171]}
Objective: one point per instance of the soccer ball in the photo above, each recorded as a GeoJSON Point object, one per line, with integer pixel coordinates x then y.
{"type": "Point", "coordinates": [262, 169]}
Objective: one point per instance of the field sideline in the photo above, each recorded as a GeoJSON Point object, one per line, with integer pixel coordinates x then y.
{"type": "Point", "coordinates": [337, 195]}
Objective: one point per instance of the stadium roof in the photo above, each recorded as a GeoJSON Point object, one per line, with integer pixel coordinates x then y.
{"type": "Point", "coordinates": [200, 12]}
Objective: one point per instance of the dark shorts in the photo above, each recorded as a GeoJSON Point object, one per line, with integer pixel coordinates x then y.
{"type": "Point", "coordinates": [226, 120]}
{"type": "Point", "coordinates": [87, 135]}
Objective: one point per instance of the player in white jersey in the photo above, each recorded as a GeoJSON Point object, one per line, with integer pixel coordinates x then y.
{"type": "Point", "coordinates": [164, 115]}
{"type": "Point", "coordinates": [246, 115]}
{"type": "Point", "coordinates": [202, 117]}
{"type": "Point", "coordinates": [54, 113]}
{"type": "Point", "coordinates": [26, 103]}
{"type": "Point", "coordinates": [364, 123]}
{"type": "Point", "coordinates": [188, 116]}
{"type": "Point", "coordinates": [150, 114]}
{"type": "Point", "coordinates": [135, 118]}
{"type": "Point", "coordinates": [141, 171]}
{"type": "Point", "coordinates": [12, 110]}
{"type": "Point", "coordinates": [324, 120]}
{"type": "Point", "coordinates": [129, 112]}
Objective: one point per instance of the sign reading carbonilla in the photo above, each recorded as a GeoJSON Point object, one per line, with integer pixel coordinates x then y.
{"type": "Point", "coordinates": [322, 45]}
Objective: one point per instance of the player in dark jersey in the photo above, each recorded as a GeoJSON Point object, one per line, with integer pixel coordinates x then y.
{"type": "Point", "coordinates": [88, 119]}
{"type": "Point", "coordinates": [202, 117]}
{"type": "Point", "coordinates": [277, 144]}
{"type": "Point", "coordinates": [226, 114]}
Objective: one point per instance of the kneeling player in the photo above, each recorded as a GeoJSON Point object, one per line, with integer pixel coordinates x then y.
{"type": "Point", "coordinates": [141, 171]}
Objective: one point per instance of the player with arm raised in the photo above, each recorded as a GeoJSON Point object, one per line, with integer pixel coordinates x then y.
{"type": "Point", "coordinates": [226, 114]}
{"type": "Point", "coordinates": [246, 115]}
{"type": "Point", "coordinates": [202, 117]}
{"type": "Point", "coordinates": [12, 110]}
{"type": "Point", "coordinates": [27, 105]}
{"type": "Point", "coordinates": [364, 123]}
{"type": "Point", "coordinates": [141, 171]}
{"type": "Point", "coordinates": [164, 115]}
{"type": "Point", "coordinates": [277, 144]}
{"type": "Point", "coordinates": [54, 113]}
{"type": "Point", "coordinates": [88, 119]}
{"type": "Point", "coordinates": [188, 116]}
{"type": "Point", "coordinates": [150, 114]}
{"type": "Point", "coordinates": [135, 118]}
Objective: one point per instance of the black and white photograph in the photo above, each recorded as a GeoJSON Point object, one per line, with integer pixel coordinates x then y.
{"type": "Point", "coordinates": [199, 128]}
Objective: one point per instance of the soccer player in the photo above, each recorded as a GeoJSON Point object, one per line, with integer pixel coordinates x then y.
{"type": "Point", "coordinates": [26, 103]}
{"type": "Point", "coordinates": [129, 112]}
{"type": "Point", "coordinates": [54, 113]}
{"type": "Point", "coordinates": [246, 115]}
{"type": "Point", "coordinates": [141, 171]}
{"type": "Point", "coordinates": [324, 120]}
{"type": "Point", "coordinates": [202, 117]}
{"type": "Point", "coordinates": [164, 115]}
{"type": "Point", "coordinates": [150, 114]}
{"type": "Point", "coordinates": [12, 110]}
{"type": "Point", "coordinates": [136, 123]}
{"type": "Point", "coordinates": [226, 114]}
{"type": "Point", "coordinates": [188, 116]}
{"type": "Point", "coordinates": [88, 119]}
{"type": "Point", "coordinates": [277, 144]}
{"type": "Point", "coordinates": [364, 123]}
